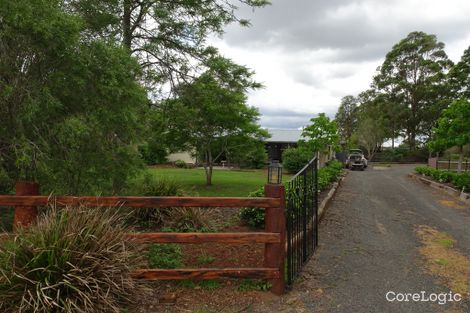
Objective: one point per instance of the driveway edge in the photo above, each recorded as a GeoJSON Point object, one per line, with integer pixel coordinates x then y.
{"type": "Point", "coordinates": [463, 196]}
{"type": "Point", "coordinates": [324, 204]}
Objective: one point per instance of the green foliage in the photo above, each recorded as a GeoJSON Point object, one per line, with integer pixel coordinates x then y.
{"type": "Point", "coordinates": [167, 37]}
{"type": "Point", "coordinates": [6, 219]}
{"type": "Point", "coordinates": [6, 183]}
{"type": "Point", "coordinates": [153, 153]}
{"type": "Point", "coordinates": [254, 285]}
{"type": "Point", "coordinates": [151, 186]}
{"type": "Point", "coordinates": [205, 259]}
{"type": "Point", "coordinates": [371, 125]}
{"type": "Point", "coordinates": [165, 256]}
{"type": "Point", "coordinates": [253, 217]}
{"type": "Point", "coordinates": [215, 103]}
{"type": "Point", "coordinates": [462, 181]}
{"type": "Point", "coordinates": [187, 220]}
{"type": "Point", "coordinates": [210, 284]}
{"type": "Point", "coordinates": [246, 152]}
{"type": "Point", "coordinates": [73, 259]}
{"type": "Point", "coordinates": [329, 174]}
{"type": "Point", "coordinates": [70, 106]}
{"type": "Point", "coordinates": [413, 79]}
{"type": "Point", "coordinates": [459, 77]}
{"type": "Point", "coordinates": [346, 118]}
{"type": "Point", "coordinates": [181, 164]}
{"type": "Point", "coordinates": [294, 159]}
{"type": "Point", "coordinates": [453, 127]}
{"type": "Point", "coordinates": [459, 180]}
{"type": "Point", "coordinates": [321, 134]}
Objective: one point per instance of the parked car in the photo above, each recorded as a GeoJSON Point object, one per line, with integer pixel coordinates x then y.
{"type": "Point", "coordinates": [356, 160]}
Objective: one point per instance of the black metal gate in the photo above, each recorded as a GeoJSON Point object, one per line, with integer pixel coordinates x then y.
{"type": "Point", "coordinates": [301, 218]}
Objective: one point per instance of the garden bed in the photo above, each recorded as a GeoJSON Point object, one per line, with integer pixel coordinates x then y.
{"type": "Point", "coordinates": [459, 181]}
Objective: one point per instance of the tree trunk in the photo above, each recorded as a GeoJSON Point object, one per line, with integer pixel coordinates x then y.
{"type": "Point", "coordinates": [208, 167]}
{"type": "Point", "coordinates": [459, 167]}
{"type": "Point", "coordinates": [412, 141]}
{"type": "Point", "coordinates": [126, 25]}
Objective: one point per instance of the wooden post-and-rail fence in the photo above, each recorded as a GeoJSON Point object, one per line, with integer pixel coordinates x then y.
{"type": "Point", "coordinates": [27, 199]}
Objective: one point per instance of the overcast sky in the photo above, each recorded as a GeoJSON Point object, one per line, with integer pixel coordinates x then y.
{"type": "Point", "coordinates": [311, 53]}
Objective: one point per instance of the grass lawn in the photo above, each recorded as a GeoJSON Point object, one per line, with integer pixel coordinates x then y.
{"type": "Point", "coordinates": [225, 183]}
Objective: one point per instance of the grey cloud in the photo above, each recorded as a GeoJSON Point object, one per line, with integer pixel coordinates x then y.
{"type": "Point", "coordinates": [283, 118]}
{"type": "Point", "coordinates": [306, 77]}
{"type": "Point", "coordinates": [311, 24]}
{"type": "Point", "coordinates": [283, 122]}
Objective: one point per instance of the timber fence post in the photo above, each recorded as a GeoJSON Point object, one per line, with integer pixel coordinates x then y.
{"type": "Point", "coordinates": [275, 221]}
{"type": "Point", "coordinates": [25, 215]}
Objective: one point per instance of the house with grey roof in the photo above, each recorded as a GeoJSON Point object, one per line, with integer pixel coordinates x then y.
{"type": "Point", "coordinates": [280, 140]}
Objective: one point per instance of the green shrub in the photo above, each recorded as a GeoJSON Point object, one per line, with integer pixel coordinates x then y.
{"type": "Point", "coordinates": [329, 174]}
{"type": "Point", "coordinates": [151, 186]}
{"type": "Point", "coordinates": [253, 217]}
{"type": "Point", "coordinates": [294, 159]}
{"type": "Point", "coordinates": [165, 256]}
{"type": "Point", "coordinates": [462, 181]}
{"type": "Point", "coordinates": [459, 180]}
{"type": "Point", "coordinates": [255, 158]}
{"type": "Point", "coordinates": [74, 259]}
{"type": "Point", "coordinates": [6, 183]}
{"type": "Point", "coordinates": [181, 164]}
{"type": "Point", "coordinates": [153, 153]}
{"type": "Point", "coordinates": [187, 219]}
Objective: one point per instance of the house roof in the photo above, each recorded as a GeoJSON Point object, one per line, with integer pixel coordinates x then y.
{"type": "Point", "coordinates": [284, 135]}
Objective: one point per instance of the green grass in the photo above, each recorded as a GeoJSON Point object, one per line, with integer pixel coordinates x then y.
{"type": "Point", "coordinates": [446, 243]}
{"type": "Point", "coordinates": [254, 284]}
{"type": "Point", "coordinates": [225, 183]}
{"type": "Point", "coordinates": [6, 219]}
{"type": "Point", "coordinates": [165, 256]}
{"type": "Point", "coordinates": [205, 259]}
{"type": "Point", "coordinates": [442, 261]}
{"type": "Point", "coordinates": [203, 284]}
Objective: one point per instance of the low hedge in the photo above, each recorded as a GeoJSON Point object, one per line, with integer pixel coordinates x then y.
{"type": "Point", "coordinates": [459, 180]}
{"type": "Point", "coordinates": [329, 174]}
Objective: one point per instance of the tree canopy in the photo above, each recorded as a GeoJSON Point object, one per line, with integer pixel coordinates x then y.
{"type": "Point", "coordinates": [459, 77]}
{"type": "Point", "coordinates": [210, 114]}
{"type": "Point", "coordinates": [320, 134]}
{"type": "Point", "coordinates": [414, 75]}
{"type": "Point", "coordinates": [69, 107]}
{"type": "Point", "coordinates": [453, 128]}
{"type": "Point", "coordinates": [168, 38]}
{"type": "Point", "coordinates": [346, 117]}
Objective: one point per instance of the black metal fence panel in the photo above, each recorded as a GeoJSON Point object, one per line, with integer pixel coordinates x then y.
{"type": "Point", "coordinates": [301, 218]}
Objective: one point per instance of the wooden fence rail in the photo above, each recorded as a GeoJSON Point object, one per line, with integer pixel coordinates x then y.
{"type": "Point", "coordinates": [27, 199]}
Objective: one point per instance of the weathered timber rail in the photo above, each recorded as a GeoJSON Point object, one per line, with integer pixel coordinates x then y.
{"type": "Point", "coordinates": [27, 200]}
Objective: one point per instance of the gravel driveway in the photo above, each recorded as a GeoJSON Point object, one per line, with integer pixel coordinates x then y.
{"type": "Point", "coordinates": [369, 246]}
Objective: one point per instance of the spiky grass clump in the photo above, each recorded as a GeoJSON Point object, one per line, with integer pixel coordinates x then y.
{"type": "Point", "coordinates": [75, 259]}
